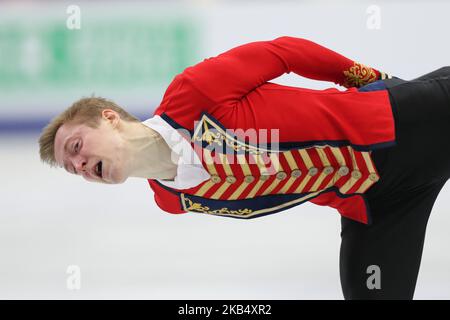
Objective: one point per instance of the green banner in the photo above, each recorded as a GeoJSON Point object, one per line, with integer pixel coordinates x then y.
{"type": "Point", "coordinates": [137, 52]}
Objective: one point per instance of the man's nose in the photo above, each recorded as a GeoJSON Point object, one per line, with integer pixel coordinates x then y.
{"type": "Point", "coordinates": [79, 164]}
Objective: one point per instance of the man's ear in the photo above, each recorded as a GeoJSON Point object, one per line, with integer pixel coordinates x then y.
{"type": "Point", "coordinates": [111, 116]}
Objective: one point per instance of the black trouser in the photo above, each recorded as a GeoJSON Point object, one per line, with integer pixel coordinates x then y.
{"type": "Point", "coordinates": [382, 260]}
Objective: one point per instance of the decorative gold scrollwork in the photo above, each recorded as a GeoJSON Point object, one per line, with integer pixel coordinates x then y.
{"type": "Point", "coordinates": [359, 75]}
{"type": "Point", "coordinates": [216, 136]}
{"type": "Point", "coordinates": [198, 207]}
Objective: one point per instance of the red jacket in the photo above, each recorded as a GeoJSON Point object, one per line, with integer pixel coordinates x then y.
{"type": "Point", "coordinates": [325, 136]}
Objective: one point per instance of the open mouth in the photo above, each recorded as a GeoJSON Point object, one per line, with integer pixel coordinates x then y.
{"type": "Point", "coordinates": [98, 169]}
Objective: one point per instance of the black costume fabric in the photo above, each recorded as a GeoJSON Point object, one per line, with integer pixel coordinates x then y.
{"type": "Point", "coordinates": [412, 174]}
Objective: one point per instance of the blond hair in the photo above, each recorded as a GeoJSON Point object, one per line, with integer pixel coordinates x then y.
{"type": "Point", "coordinates": [84, 111]}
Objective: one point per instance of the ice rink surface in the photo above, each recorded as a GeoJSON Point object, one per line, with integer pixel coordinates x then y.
{"type": "Point", "coordinates": [126, 247]}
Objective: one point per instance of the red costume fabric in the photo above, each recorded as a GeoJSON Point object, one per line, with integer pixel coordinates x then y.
{"type": "Point", "coordinates": [324, 137]}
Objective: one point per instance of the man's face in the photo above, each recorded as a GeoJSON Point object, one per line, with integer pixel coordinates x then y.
{"type": "Point", "coordinates": [98, 154]}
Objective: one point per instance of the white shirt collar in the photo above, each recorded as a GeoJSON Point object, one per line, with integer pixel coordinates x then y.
{"type": "Point", "coordinates": [190, 171]}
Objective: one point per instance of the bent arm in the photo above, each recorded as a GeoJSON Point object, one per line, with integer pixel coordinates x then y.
{"type": "Point", "coordinates": [234, 73]}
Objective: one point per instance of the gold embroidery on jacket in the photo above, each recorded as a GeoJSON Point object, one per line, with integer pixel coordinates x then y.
{"type": "Point", "coordinates": [213, 134]}
{"type": "Point", "coordinates": [198, 207]}
{"type": "Point", "coordinates": [189, 205]}
{"type": "Point", "coordinates": [359, 75]}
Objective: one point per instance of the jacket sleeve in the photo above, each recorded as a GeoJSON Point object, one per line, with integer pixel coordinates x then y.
{"type": "Point", "coordinates": [234, 73]}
